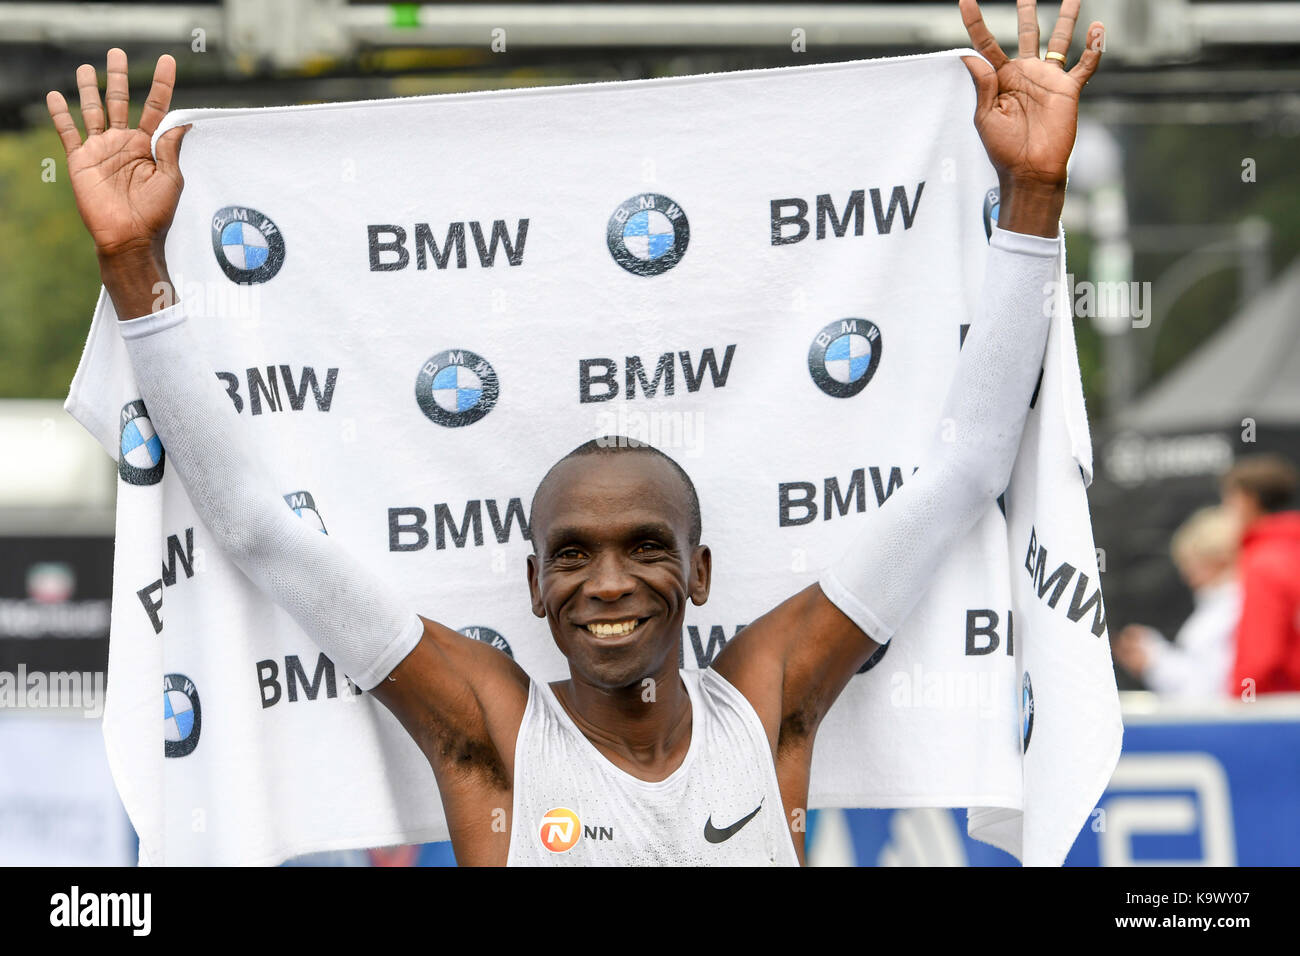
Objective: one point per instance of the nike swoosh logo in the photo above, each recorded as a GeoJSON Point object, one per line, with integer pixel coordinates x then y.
{"type": "Point", "coordinates": [715, 835]}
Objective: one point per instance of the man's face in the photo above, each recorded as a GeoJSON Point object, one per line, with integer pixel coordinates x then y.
{"type": "Point", "coordinates": [613, 567]}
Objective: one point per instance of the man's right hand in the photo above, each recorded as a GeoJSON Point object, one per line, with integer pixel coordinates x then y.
{"type": "Point", "coordinates": [1130, 648]}
{"type": "Point", "coordinates": [126, 198]}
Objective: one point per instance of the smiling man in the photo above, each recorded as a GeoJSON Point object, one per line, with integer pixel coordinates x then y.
{"type": "Point", "coordinates": [662, 766]}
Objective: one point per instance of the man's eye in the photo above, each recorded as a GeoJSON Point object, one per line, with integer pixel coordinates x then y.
{"type": "Point", "coordinates": [568, 553]}
{"type": "Point", "coordinates": [652, 545]}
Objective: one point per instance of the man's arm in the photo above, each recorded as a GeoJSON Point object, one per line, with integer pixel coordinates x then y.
{"type": "Point", "coordinates": [811, 646]}
{"type": "Point", "coordinates": [429, 675]}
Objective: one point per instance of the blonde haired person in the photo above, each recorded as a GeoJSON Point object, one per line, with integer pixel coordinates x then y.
{"type": "Point", "coordinates": [1198, 662]}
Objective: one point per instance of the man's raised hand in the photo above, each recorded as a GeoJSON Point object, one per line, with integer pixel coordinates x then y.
{"type": "Point", "coordinates": [1027, 110]}
{"type": "Point", "coordinates": [125, 197]}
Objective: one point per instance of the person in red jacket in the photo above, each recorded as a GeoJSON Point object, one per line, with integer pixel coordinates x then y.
{"type": "Point", "coordinates": [1256, 491]}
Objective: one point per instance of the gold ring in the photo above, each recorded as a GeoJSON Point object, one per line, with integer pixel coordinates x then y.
{"type": "Point", "coordinates": [1053, 55]}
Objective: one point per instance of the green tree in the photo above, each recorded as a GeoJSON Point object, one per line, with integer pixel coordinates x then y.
{"type": "Point", "coordinates": [49, 279]}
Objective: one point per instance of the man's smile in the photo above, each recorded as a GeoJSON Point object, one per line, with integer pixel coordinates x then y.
{"type": "Point", "coordinates": [614, 628]}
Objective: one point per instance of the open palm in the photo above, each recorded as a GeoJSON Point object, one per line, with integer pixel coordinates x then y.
{"type": "Point", "coordinates": [126, 198]}
{"type": "Point", "coordinates": [1027, 108]}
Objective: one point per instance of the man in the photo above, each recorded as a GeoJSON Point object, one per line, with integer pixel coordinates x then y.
{"type": "Point", "coordinates": [1257, 490]}
{"type": "Point", "coordinates": [688, 767]}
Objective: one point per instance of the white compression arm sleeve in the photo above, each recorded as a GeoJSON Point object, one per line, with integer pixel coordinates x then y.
{"type": "Point", "coordinates": [891, 561]}
{"type": "Point", "coordinates": [345, 607]}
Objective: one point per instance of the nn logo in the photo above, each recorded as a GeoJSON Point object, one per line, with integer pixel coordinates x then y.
{"type": "Point", "coordinates": [388, 251]}
{"type": "Point", "coordinates": [560, 830]}
{"type": "Point", "coordinates": [598, 377]}
{"type": "Point", "coordinates": [793, 213]}
{"type": "Point", "coordinates": [264, 392]}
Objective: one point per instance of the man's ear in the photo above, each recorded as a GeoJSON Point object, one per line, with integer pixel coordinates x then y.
{"type": "Point", "coordinates": [701, 574]}
{"type": "Point", "coordinates": [534, 586]}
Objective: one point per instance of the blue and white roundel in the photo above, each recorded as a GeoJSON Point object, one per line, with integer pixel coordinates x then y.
{"type": "Point", "coordinates": [140, 445]}
{"type": "Point", "coordinates": [249, 247]}
{"type": "Point", "coordinates": [141, 454]}
{"type": "Point", "coordinates": [456, 387]}
{"type": "Point", "coordinates": [848, 357]}
{"type": "Point", "coordinates": [178, 717]}
{"type": "Point", "coordinates": [182, 715]}
{"type": "Point", "coordinates": [844, 356]}
{"type": "Point", "coordinates": [243, 246]}
{"type": "Point", "coordinates": [648, 234]}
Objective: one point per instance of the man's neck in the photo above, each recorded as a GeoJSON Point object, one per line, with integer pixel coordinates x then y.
{"type": "Point", "coordinates": [644, 727]}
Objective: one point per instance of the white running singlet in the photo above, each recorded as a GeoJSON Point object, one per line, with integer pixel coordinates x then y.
{"type": "Point", "coordinates": [721, 807]}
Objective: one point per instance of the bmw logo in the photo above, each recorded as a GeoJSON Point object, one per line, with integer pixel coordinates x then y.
{"type": "Point", "coordinates": [1026, 711]}
{"type": "Point", "coordinates": [488, 636]}
{"type": "Point", "coordinates": [874, 659]}
{"type": "Point", "coordinates": [844, 356]}
{"type": "Point", "coordinates": [248, 245]}
{"type": "Point", "coordinates": [648, 234]}
{"type": "Point", "coordinates": [456, 387]}
{"type": "Point", "coordinates": [991, 204]}
{"type": "Point", "coordinates": [142, 456]}
{"type": "Point", "coordinates": [182, 716]}
{"type": "Point", "coordinates": [304, 506]}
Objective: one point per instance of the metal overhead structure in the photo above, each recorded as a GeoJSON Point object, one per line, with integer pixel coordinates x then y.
{"type": "Point", "coordinates": [292, 31]}
{"type": "Point", "coordinates": [1185, 61]}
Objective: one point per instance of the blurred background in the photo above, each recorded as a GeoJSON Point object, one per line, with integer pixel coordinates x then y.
{"type": "Point", "coordinates": [1183, 240]}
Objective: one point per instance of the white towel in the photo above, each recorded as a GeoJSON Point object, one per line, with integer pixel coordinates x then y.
{"type": "Point", "coordinates": [411, 411]}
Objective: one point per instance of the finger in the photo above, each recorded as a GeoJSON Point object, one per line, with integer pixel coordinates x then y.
{"type": "Point", "coordinates": [1059, 41]}
{"type": "Point", "coordinates": [63, 124]}
{"type": "Point", "coordinates": [92, 114]}
{"type": "Point", "coordinates": [1092, 49]}
{"type": "Point", "coordinates": [116, 95]}
{"type": "Point", "coordinates": [980, 37]}
{"type": "Point", "coordinates": [168, 152]}
{"type": "Point", "coordinates": [159, 99]}
{"type": "Point", "coordinates": [1027, 30]}
{"type": "Point", "coordinates": [986, 83]}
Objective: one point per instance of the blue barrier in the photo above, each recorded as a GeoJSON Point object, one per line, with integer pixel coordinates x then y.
{"type": "Point", "coordinates": [1210, 785]}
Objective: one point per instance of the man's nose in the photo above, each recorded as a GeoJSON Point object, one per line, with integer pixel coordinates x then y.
{"type": "Point", "coordinates": [609, 579]}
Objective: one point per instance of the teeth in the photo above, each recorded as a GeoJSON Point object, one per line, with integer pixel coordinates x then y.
{"type": "Point", "coordinates": [613, 630]}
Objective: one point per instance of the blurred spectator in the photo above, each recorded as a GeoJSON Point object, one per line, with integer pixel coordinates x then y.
{"type": "Point", "coordinates": [1256, 491]}
{"type": "Point", "coordinates": [1198, 663]}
